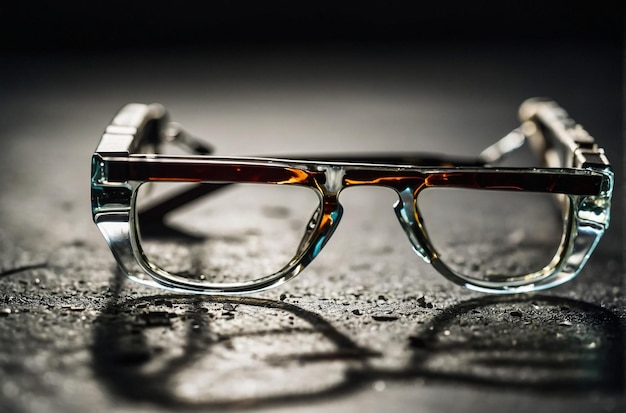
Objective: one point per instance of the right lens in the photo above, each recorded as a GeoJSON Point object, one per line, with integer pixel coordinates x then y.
{"type": "Point", "coordinates": [238, 233]}
{"type": "Point", "coordinates": [492, 235]}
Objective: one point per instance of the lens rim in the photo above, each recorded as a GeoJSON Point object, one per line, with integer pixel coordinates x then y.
{"type": "Point", "coordinates": [309, 248]}
{"type": "Point", "coordinates": [249, 191]}
{"type": "Point", "coordinates": [579, 238]}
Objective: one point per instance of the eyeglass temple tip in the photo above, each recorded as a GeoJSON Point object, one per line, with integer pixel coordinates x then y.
{"type": "Point", "coordinates": [529, 108]}
{"type": "Point", "coordinates": [509, 143]}
{"type": "Point", "coordinates": [174, 132]}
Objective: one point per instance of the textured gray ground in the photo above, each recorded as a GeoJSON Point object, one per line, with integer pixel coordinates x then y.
{"type": "Point", "coordinates": [368, 326]}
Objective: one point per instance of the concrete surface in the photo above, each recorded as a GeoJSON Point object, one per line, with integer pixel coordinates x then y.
{"type": "Point", "coordinates": [368, 326]}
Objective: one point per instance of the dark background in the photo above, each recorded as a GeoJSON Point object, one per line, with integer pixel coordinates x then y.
{"type": "Point", "coordinates": [53, 25]}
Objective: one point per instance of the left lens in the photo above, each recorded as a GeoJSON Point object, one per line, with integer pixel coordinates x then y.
{"type": "Point", "coordinates": [492, 235]}
{"type": "Point", "coordinates": [239, 233]}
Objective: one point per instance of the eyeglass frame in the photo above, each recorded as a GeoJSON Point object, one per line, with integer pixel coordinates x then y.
{"type": "Point", "coordinates": [126, 158]}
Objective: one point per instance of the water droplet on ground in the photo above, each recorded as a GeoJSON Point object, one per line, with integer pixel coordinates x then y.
{"type": "Point", "coordinates": [379, 385]}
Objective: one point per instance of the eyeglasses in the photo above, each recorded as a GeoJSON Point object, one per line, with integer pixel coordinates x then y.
{"type": "Point", "coordinates": [284, 210]}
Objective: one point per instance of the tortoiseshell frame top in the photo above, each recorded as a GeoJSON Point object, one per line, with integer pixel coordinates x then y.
{"type": "Point", "coordinates": [574, 166]}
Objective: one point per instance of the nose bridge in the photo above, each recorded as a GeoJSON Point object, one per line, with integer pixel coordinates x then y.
{"type": "Point", "coordinates": [326, 217]}
{"type": "Point", "coordinates": [405, 210]}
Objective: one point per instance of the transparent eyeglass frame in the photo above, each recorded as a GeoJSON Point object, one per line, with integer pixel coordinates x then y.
{"type": "Point", "coordinates": [574, 169]}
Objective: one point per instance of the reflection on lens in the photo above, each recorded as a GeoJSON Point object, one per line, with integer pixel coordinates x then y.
{"type": "Point", "coordinates": [492, 235]}
{"type": "Point", "coordinates": [238, 233]}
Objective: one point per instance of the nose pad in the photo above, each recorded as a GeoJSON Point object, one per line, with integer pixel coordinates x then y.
{"type": "Point", "coordinates": [324, 234]}
{"type": "Point", "coordinates": [404, 211]}
{"type": "Point", "coordinates": [309, 230]}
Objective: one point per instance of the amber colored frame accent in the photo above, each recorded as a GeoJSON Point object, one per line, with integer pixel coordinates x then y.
{"type": "Point", "coordinates": [575, 169]}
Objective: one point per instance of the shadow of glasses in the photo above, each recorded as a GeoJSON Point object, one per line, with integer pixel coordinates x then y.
{"type": "Point", "coordinates": [221, 361]}
{"type": "Point", "coordinates": [538, 343]}
{"type": "Point", "coordinates": [232, 352]}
